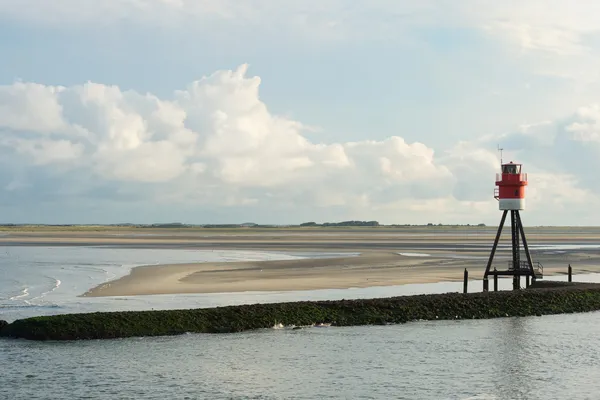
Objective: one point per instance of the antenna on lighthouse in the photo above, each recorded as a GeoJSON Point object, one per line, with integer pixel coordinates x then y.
{"type": "Point", "coordinates": [500, 150]}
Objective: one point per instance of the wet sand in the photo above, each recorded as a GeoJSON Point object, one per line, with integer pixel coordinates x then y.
{"type": "Point", "coordinates": [367, 269]}
{"type": "Point", "coordinates": [379, 264]}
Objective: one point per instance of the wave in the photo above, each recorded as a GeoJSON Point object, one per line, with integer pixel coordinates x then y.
{"type": "Point", "coordinates": [24, 293]}
{"type": "Point", "coordinates": [279, 325]}
{"type": "Point", "coordinates": [99, 274]}
{"type": "Point", "coordinates": [56, 285]}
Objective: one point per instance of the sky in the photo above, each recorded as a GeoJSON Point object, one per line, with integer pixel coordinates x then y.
{"type": "Point", "coordinates": [222, 111]}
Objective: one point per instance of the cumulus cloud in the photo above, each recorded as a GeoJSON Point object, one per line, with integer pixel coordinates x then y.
{"type": "Point", "coordinates": [216, 144]}
{"type": "Point", "coordinates": [215, 134]}
{"type": "Point", "coordinates": [568, 145]}
{"type": "Point", "coordinates": [30, 106]}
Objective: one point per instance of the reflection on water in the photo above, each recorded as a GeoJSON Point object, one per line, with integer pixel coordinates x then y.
{"type": "Point", "coordinates": [513, 347]}
{"type": "Point", "coordinates": [549, 358]}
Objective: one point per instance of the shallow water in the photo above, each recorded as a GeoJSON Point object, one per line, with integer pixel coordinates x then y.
{"type": "Point", "coordinates": [550, 357]}
{"type": "Point", "coordinates": [49, 280]}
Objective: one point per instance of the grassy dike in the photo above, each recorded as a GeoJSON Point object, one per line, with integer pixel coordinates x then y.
{"type": "Point", "coordinates": [542, 300]}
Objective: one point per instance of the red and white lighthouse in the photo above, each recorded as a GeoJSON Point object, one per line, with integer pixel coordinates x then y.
{"type": "Point", "coordinates": [510, 191]}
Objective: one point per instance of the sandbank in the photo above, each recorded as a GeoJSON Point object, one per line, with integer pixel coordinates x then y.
{"type": "Point", "coordinates": [444, 256]}
{"type": "Point", "coordinates": [369, 269]}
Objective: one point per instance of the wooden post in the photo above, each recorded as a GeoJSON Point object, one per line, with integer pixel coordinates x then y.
{"type": "Point", "coordinates": [485, 284]}
{"type": "Point", "coordinates": [526, 281]}
{"type": "Point", "coordinates": [570, 272]}
{"type": "Point", "coordinates": [465, 281]}
{"type": "Point", "coordinates": [495, 281]}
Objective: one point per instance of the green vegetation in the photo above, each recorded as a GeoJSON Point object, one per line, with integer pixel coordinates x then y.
{"type": "Point", "coordinates": [343, 223]}
{"type": "Point", "coordinates": [106, 325]}
{"type": "Point", "coordinates": [351, 223]}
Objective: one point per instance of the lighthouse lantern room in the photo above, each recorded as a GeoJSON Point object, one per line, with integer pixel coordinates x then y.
{"type": "Point", "coordinates": [510, 193]}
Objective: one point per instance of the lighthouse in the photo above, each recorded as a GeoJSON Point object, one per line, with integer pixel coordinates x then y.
{"type": "Point", "coordinates": [510, 193]}
{"type": "Point", "coordinates": [510, 190]}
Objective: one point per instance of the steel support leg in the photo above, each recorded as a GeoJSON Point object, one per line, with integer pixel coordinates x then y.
{"type": "Point", "coordinates": [495, 246]}
{"type": "Point", "coordinates": [525, 247]}
{"type": "Point", "coordinates": [515, 251]}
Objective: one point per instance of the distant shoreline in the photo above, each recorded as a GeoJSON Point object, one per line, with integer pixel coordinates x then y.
{"type": "Point", "coordinates": [224, 227]}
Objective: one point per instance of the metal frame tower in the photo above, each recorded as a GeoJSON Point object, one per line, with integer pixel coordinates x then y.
{"type": "Point", "coordinates": [510, 193]}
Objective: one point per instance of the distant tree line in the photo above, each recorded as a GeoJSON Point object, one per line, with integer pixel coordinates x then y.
{"type": "Point", "coordinates": [343, 223]}
{"type": "Point", "coordinates": [431, 224]}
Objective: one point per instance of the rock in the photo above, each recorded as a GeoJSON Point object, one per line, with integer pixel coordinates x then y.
{"type": "Point", "coordinates": [399, 309]}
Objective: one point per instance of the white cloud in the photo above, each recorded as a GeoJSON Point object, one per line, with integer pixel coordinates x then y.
{"type": "Point", "coordinates": [44, 151]}
{"type": "Point", "coordinates": [215, 133]}
{"type": "Point", "coordinates": [555, 26]}
{"type": "Point", "coordinates": [217, 144]}
{"type": "Point", "coordinates": [587, 128]}
{"type": "Point", "coordinates": [30, 107]}
{"type": "Point", "coordinates": [550, 37]}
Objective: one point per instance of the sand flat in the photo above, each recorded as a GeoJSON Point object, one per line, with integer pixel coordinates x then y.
{"type": "Point", "coordinates": [370, 269]}
{"type": "Point", "coordinates": [430, 256]}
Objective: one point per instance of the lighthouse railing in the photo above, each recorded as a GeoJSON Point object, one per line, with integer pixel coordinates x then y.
{"type": "Point", "coordinates": [521, 177]}
{"type": "Point", "coordinates": [524, 266]}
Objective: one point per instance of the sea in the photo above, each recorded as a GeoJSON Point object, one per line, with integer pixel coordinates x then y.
{"type": "Point", "coordinates": [548, 357]}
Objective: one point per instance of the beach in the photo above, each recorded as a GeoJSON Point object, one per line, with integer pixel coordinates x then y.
{"type": "Point", "coordinates": [362, 257]}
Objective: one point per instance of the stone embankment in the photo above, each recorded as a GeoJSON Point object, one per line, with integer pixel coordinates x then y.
{"type": "Point", "coordinates": [543, 298]}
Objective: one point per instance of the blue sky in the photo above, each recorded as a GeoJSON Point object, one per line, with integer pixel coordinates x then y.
{"type": "Point", "coordinates": [451, 80]}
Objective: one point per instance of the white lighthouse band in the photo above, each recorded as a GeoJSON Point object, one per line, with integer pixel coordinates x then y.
{"type": "Point", "coordinates": [511, 204]}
